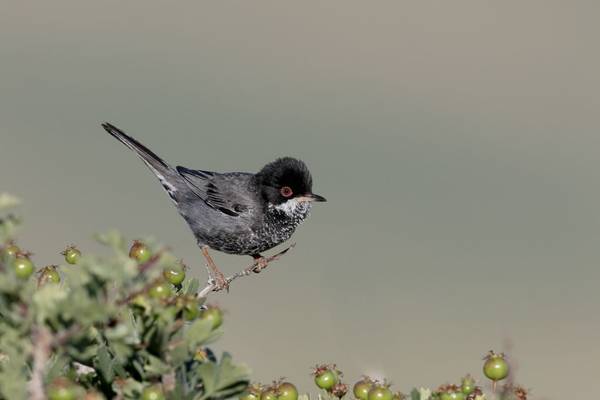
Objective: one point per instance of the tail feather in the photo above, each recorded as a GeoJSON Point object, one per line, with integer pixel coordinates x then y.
{"type": "Point", "coordinates": [156, 164]}
{"type": "Point", "coordinates": [145, 153]}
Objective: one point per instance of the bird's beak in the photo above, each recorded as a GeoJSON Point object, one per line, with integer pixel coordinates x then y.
{"type": "Point", "coordinates": [311, 197]}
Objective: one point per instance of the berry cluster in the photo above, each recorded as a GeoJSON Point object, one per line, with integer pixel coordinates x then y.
{"type": "Point", "coordinates": [131, 328]}
{"type": "Point", "coordinates": [327, 377]}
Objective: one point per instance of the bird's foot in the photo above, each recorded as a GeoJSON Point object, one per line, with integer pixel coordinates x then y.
{"type": "Point", "coordinates": [260, 263]}
{"type": "Point", "coordinates": [215, 276]}
{"type": "Point", "coordinates": [219, 282]}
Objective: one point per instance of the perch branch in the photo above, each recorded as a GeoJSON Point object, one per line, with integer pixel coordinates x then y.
{"type": "Point", "coordinates": [211, 286]}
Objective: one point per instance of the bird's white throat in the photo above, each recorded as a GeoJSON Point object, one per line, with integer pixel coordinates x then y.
{"type": "Point", "coordinates": [294, 208]}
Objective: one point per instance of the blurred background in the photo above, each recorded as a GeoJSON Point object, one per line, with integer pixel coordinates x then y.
{"type": "Point", "coordinates": [457, 144]}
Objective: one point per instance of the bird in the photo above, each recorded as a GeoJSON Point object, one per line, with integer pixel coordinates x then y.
{"type": "Point", "coordinates": [239, 213]}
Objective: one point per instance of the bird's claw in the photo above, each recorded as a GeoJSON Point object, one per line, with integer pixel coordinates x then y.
{"type": "Point", "coordinates": [260, 264]}
{"type": "Point", "coordinates": [220, 282]}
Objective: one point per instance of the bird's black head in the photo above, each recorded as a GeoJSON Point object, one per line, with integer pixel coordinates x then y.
{"type": "Point", "coordinates": [285, 179]}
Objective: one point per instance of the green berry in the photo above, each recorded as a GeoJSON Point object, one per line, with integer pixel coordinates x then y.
{"type": "Point", "coordinates": [326, 378]}
{"type": "Point", "coordinates": [49, 274]}
{"type": "Point", "coordinates": [61, 393]}
{"type": "Point", "coordinates": [93, 396]}
{"type": "Point", "coordinates": [62, 389]}
{"type": "Point", "coordinates": [495, 367]}
{"type": "Point", "coordinates": [361, 388]}
{"type": "Point", "coordinates": [72, 255]}
{"type": "Point", "coordinates": [139, 252]}
{"type": "Point", "coordinates": [11, 250]}
{"type": "Point", "coordinates": [153, 393]}
{"type": "Point", "coordinates": [249, 396]}
{"type": "Point", "coordinates": [161, 290]}
{"type": "Point", "coordinates": [268, 394]}
{"type": "Point", "coordinates": [174, 274]}
{"type": "Point", "coordinates": [23, 267]}
{"type": "Point", "coordinates": [213, 314]}
{"type": "Point", "coordinates": [467, 385]}
{"type": "Point", "coordinates": [253, 392]}
{"type": "Point", "coordinates": [380, 392]}
{"type": "Point", "coordinates": [191, 310]}
{"type": "Point", "coordinates": [287, 391]}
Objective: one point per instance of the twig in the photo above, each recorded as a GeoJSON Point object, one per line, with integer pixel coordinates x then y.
{"type": "Point", "coordinates": [42, 341]}
{"type": "Point", "coordinates": [143, 290]}
{"type": "Point", "coordinates": [150, 263]}
{"type": "Point", "coordinates": [211, 286]}
{"type": "Point", "coordinates": [63, 337]}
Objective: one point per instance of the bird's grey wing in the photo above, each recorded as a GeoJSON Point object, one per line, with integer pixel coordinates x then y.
{"type": "Point", "coordinates": [228, 193]}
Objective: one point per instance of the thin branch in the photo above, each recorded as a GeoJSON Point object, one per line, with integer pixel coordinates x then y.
{"type": "Point", "coordinates": [143, 290]}
{"type": "Point", "coordinates": [63, 337]}
{"type": "Point", "coordinates": [42, 341]}
{"type": "Point", "coordinates": [152, 261]}
{"type": "Point", "coordinates": [263, 262]}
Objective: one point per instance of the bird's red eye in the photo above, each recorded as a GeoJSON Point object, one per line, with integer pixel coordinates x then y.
{"type": "Point", "coordinates": [286, 191]}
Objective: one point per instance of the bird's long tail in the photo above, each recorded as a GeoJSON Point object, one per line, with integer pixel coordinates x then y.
{"type": "Point", "coordinates": [163, 171]}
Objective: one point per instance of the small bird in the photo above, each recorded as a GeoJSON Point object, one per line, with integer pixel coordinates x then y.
{"type": "Point", "coordinates": [234, 212]}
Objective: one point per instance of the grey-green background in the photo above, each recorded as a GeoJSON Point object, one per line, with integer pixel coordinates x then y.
{"type": "Point", "coordinates": [457, 143]}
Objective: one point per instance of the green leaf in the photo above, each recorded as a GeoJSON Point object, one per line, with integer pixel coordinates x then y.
{"type": "Point", "coordinates": [415, 395]}
{"type": "Point", "coordinates": [155, 366]}
{"type": "Point", "coordinates": [8, 227]}
{"type": "Point", "coordinates": [179, 354]}
{"type": "Point", "coordinates": [191, 287]}
{"type": "Point", "coordinates": [8, 201]}
{"type": "Point", "coordinates": [104, 364]}
{"type": "Point", "coordinates": [223, 379]}
{"type": "Point", "coordinates": [47, 301]}
{"type": "Point", "coordinates": [13, 361]}
{"type": "Point", "coordinates": [57, 365]}
{"type": "Point", "coordinates": [111, 238]}
{"type": "Point", "coordinates": [422, 393]}
{"type": "Point", "coordinates": [197, 333]}
{"type": "Point", "coordinates": [128, 388]}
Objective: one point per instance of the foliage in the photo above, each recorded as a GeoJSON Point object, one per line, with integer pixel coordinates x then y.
{"type": "Point", "coordinates": [101, 329]}
{"type": "Point", "coordinates": [130, 326]}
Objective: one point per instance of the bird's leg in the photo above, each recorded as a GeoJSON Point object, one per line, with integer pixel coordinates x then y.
{"type": "Point", "coordinates": [218, 282]}
{"type": "Point", "coordinates": [261, 262]}
{"type": "Point", "coordinates": [214, 273]}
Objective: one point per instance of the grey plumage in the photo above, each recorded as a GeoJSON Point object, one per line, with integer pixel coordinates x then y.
{"type": "Point", "coordinates": [235, 212]}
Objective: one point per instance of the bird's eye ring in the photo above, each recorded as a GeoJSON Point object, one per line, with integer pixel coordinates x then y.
{"type": "Point", "coordinates": [286, 191]}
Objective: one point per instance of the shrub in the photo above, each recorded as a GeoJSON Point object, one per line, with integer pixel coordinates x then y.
{"type": "Point", "coordinates": [106, 327]}
{"type": "Point", "coordinates": [131, 326]}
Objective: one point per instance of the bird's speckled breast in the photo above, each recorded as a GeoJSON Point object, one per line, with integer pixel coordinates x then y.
{"type": "Point", "coordinates": [282, 221]}
{"type": "Point", "coordinates": [277, 226]}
